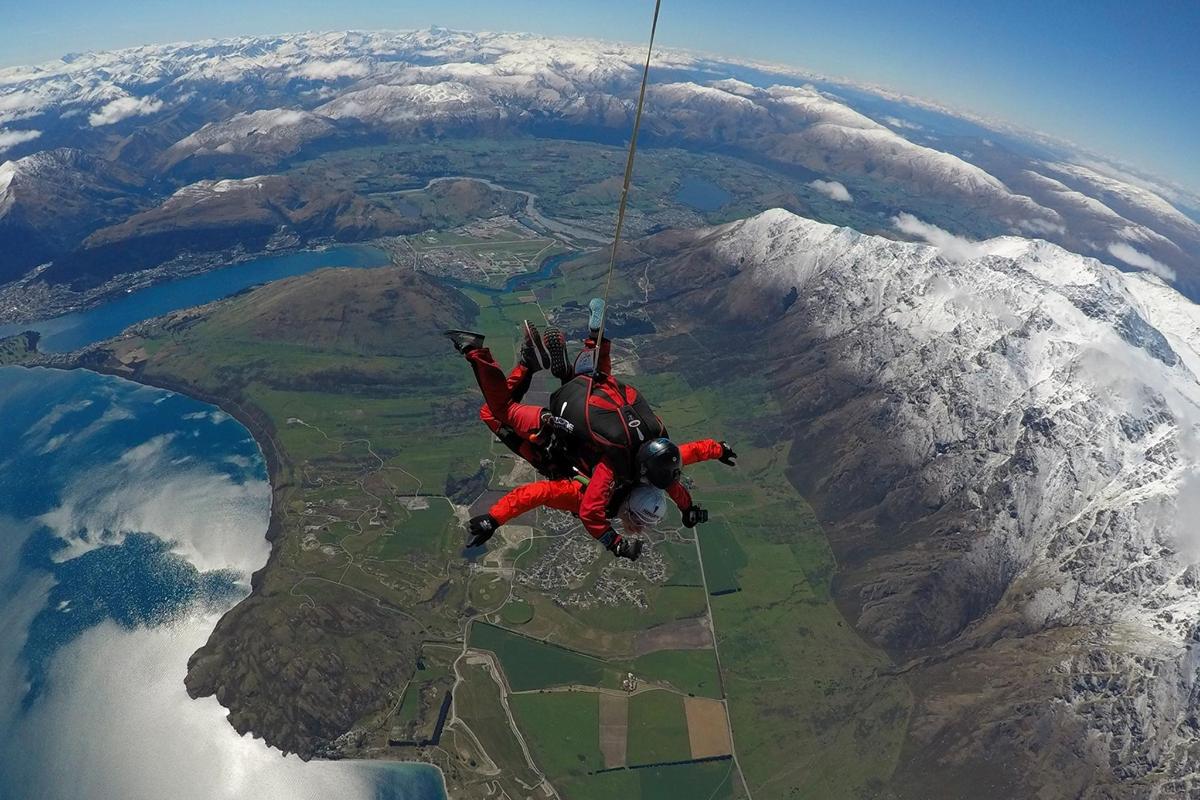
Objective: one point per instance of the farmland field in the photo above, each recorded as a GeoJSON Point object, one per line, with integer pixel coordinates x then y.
{"type": "Point", "coordinates": [530, 664]}
{"type": "Point", "coordinates": [657, 728]}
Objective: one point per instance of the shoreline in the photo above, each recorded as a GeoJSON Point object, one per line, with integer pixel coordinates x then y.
{"type": "Point", "coordinates": [258, 432]}
{"type": "Point", "coordinates": [62, 302]}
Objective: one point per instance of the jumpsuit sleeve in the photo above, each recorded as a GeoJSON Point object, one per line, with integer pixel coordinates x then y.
{"type": "Point", "coordinates": [703, 450]}
{"type": "Point", "coordinates": [563, 495]}
{"type": "Point", "coordinates": [679, 493]}
{"type": "Point", "coordinates": [594, 506]}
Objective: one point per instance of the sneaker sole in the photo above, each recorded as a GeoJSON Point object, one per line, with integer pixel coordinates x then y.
{"type": "Point", "coordinates": [597, 315]}
{"type": "Point", "coordinates": [539, 349]}
{"type": "Point", "coordinates": [556, 344]}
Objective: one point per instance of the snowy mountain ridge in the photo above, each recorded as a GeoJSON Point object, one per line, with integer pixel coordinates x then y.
{"type": "Point", "coordinates": [1009, 450]}
{"type": "Point", "coordinates": [245, 104]}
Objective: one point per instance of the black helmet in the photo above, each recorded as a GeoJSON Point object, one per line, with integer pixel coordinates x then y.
{"type": "Point", "coordinates": [659, 462]}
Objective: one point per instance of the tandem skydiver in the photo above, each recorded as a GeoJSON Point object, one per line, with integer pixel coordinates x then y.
{"type": "Point", "coordinates": [639, 507]}
{"type": "Point", "coordinates": [602, 427]}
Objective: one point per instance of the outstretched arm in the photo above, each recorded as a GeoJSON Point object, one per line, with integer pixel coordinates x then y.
{"type": "Point", "coordinates": [564, 495]}
{"type": "Point", "coordinates": [693, 453]}
{"type": "Point", "coordinates": [593, 509]}
{"type": "Point", "coordinates": [703, 450]}
{"type": "Point", "coordinates": [680, 495]}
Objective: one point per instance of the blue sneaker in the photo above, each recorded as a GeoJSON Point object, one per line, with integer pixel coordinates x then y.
{"type": "Point", "coordinates": [597, 317]}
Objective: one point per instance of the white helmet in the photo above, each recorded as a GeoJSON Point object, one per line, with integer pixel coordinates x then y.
{"type": "Point", "coordinates": [644, 508]}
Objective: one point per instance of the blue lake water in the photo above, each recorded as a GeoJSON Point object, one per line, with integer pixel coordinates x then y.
{"type": "Point", "coordinates": [702, 194]}
{"type": "Point", "coordinates": [72, 331]}
{"type": "Point", "coordinates": [130, 519]}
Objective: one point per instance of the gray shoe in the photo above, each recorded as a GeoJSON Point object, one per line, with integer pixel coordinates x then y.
{"type": "Point", "coordinates": [533, 351]}
{"type": "Point", "coordinates": [597, 316]}
{"type": "Point", "coordinates": [465, 341]}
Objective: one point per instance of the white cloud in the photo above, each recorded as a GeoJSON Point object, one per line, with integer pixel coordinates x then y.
{"type": "Point", "coordinates": [832, 189]}
{"type": "Point", "coordinates": [205, 513]}
{"type": "Point", "coordinates": [124, 108]}
{"type": "Point", "coordinates": [330, 70]}
{"type": "Point", "coordinates": [955, 248]}
{"type": "Point", "coordinates": [117, 702]}
{"type": "Point", "coordinates": [1136, 258]}
{"type": "Point", "coordinates": [896, 122]}
{"type": "Point", "coordinates": [1041, 226]}
{"type": "Point", "coordinates": [13, 138]}
{"type": "Point", "coordinates": [19, 105]}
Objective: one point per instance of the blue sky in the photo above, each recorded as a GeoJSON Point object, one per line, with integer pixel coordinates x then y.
{"type": "Point", "coordinates": [1119, 77]}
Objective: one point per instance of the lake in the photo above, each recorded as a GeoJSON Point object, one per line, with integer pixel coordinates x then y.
{"type": "Point", "coordinates": [702, 194]}
{"type": "Point", "coordinates": [72, 331]}
{"type": "Point", "coordinates": [131, 519]}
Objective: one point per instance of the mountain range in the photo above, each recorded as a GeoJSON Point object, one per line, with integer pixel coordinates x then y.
{"type": "Point", "coordinates": [141, 124]}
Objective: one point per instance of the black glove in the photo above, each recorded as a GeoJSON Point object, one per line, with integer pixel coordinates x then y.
{"type": "Point", "coordinates": [727, 455]}
{"type": "Point", "coordinates": [482, 528]}
{"type": "Point", "coordinates": [626, 548]}
{"type": "Point", "coordinates": [693, 515]}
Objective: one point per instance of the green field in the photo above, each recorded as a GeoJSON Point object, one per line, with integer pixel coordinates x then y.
{"type": "Point", "coordinates": [477, 702]}
{"type": "Point", "coordinates": [563, 729]}
{"type": "Point", "coordinates": [657, 729]}
{"type": "Point", "coordinates": [517, 612]}
{"type": "Point", "coordinates": [711, 780]}
{"type": "Point", "coordinates": [723, 557]}
{"type": "Point", "coordinates": [685, 565]}
{"type": "Point", "coordinates": [529, 664]}
{"type": "Point", "coordinates": [689, 671]}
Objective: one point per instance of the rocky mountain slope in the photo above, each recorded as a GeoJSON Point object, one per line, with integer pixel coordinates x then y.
{"type": "Point", "coordinates": [51, 200]}
{"type": "Point", "coordinates": [1003, 448]}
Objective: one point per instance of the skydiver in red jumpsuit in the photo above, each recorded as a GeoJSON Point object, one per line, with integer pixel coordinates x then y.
{"type": "Point", "coordinates": [614, 436]}
{"type": "Point", "coordinates": [636, 512]}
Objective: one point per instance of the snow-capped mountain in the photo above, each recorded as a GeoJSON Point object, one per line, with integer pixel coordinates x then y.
{"type": "Point", "coordinates": [1006, 451]}
{"type": "Point", "coordinates": [240, 107]}
{"type": "Point", "coordinates": [266, 135]}
{"type": "Point", "coordinates": [51, 200]}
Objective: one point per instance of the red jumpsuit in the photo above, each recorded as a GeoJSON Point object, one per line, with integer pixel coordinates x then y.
{"type": "Point", "coordinates": [526, 421]}
{"type": "Point", "coordinates": [569, 495]}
